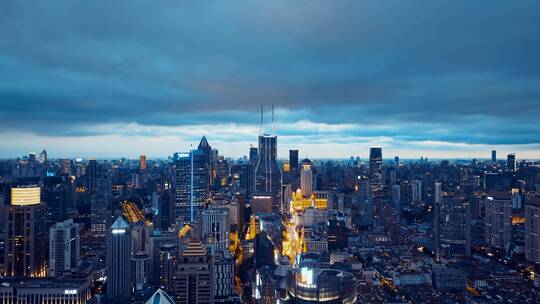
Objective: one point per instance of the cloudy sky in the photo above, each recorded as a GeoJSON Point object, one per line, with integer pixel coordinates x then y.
{"type": "Point", "coordinates": [419, 78]}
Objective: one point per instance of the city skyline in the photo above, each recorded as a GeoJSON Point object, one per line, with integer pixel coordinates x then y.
{"type": "Point", "coordinates": [455, 81]}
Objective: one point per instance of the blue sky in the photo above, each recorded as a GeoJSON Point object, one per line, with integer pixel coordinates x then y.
{"type": "Point", "coordinates": [419, 78]}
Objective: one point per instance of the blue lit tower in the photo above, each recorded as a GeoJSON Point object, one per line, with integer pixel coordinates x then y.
{"type": "Point", "coordinates": [191, 182]}
{"type": "Point", "coordinates": [267, 171]}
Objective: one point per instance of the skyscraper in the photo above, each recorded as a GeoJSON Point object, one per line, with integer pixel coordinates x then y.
{"type": "Point", "coordinates": [532, 230]}
{"type": "Point", "coordinates": [168, 255]}
{"type": "Point", "coordinates": [511, 163]}
{"type": "Point", "coordinates": [215, 229]}
{"type": "Point", "coordinates": [498, 219]}
{"type": "Point", "coordinates": [24, 233]}
{"type": "Point", "coordinates": [56, 199]}
{"type": "Point", "coordinates": [64, 247]}
{"type": "Point", "coordinates": [294, 169]}
{"type": "Point", "coordinates": [191, 183]}
{"type": "Point", "coordinates": [267, 170]}
{"type": "Point", "coordinates": [142, 163]}
{"type": "Point", "coordinates": [306, 178]}
{"type": "Point", "coordinates": [194, 277]}
{"type": "Point", "coordinates": [452, 226]}
{"type": "Point", "coordinates": [375, 167]}
{"type": "Point", "coordinates": [119, 262]}
{"type": "Point", "coordinates": [493, 156]}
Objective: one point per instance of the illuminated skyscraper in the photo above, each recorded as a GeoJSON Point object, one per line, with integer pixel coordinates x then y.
{"type": "Point", "coordinates": [168, 255]}
{"type": "Point", "coordinates": [375, 167]}
{"type": "Point", "coordinates": [119, 262]}
{"type": "Point", "coordinates": [24, 231]}
{"type": "Point", "coordinates": [191, 183]}
{"type": "Point", "coordinates": [142, 163]}
{"type": "Point", "coordinates": [267, 170]}
{"type": "Point", "coordinates": [306, 178]}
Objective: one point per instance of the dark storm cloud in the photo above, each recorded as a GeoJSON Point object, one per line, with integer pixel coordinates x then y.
{"type": "Point", "coordinates": [460, 71]}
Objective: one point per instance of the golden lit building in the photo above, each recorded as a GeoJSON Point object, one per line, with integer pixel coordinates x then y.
{"type": "Point", "coordinates": [25, 237]}
{"type": "Point", "coordinates": [318, 200]}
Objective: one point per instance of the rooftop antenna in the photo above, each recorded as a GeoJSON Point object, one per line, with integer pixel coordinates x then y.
{"type": "Point", "coordinates": [273, 126]}
{"type": "Point", "coordinates": [260, 127]}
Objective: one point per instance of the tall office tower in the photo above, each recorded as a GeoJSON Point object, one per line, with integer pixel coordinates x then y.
{"type": "Point", "coordinates": [396, 197]}
{"type": "Point", "coordinates": [91, 176]}
{"type": "Point", "coordinates": [306, 178]}
{"type": "Point", "coordinates": [253, 155]}
{"type": "Point", "coordinates": [264, 250]}
{"type": "Point", "coordinates": [215, 229]}
{"type": "Point", "coordinates": [375, 167]}
{"type": "Point", "coordinates": [140, 267]}
{"type": "Point", "coordinates": [437, 192]}
{"type": "Point", "coordinates": [416, 191]}
{"type": "Point", "coordinates": [67, 167]}
{"type": "Point", "coordinates": [99, 201]}
{"type": "Point", "coordinates": [498, 219]}
{"type": "Point", "coordinates": [168, 255]}
{"type": "Point", "coordinates": [294, 169]}
{"type": "Point", "coordinates": [511, 162]}
{"type": "Point", "coordinates": [157, 239]}
{"type": "Point", "coordinates": [24, 231]}
{"type": "Point", "coordinates": [32, 165]}
{"type": "Point", "coordinates": [119, 262]}
{"type": "Point", "coordinates": [532, 230]}
{"type": "Point", "coordinates": [57, 198]}
{"type": "Point", "coordinates": [191, 184]}
{"type": "Point", "coordinates": [267, 170]}
{"type": "Point", "coordinates": [452, 226]}
{"type": "Point", "coordinates": [142, 163]}
{"type": "Point", "coordinates": [396, 161]}
{"type": "Point", "coordinates": [195, 277]}
{"type": "Point", "coordinates": [223, 276]}
{"type": "Point", "coordinates": [337, 235]}
{"type": "Point", "coordinates": [64, 247]}
{"type": "Point", "coordinates": [43, 157]}
{"type": "Point", "coordinates": [493, 156]}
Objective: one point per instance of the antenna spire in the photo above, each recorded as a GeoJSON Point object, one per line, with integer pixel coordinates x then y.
{"type": "Point", "coordinates": [273, 126]}
{"type": "Point", "coordinates": [261, 125]}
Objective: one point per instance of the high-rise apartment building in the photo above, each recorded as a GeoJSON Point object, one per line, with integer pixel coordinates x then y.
{"type": "Point", "coordinates": [452, 227]}
{"type": "Point", "coordinates": [532, 230]}
{"type": "Point", "coordinates": [498, 219]}
{"type": "Point", "coordinates": [64, 247]}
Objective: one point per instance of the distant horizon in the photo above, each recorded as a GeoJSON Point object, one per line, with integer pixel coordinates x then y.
{"type": "Point", "coordinates": [456, 82]}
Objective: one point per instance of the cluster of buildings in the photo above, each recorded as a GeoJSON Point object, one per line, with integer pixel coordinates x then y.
{"type": "Point", "coordinates": [202, 228]}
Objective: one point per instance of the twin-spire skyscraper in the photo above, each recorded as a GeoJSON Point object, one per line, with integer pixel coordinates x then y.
{"type": "Point", "coordinates": [267, 171]}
